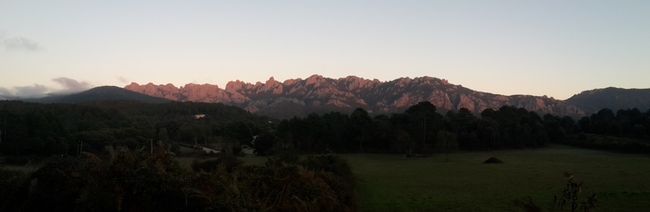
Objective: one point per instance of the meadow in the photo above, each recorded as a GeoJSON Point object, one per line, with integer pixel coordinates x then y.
{"type": "Point", "coordinates": [462, 182]}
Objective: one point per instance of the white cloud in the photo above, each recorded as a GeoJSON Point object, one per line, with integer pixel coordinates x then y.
{"type": "Point", "coordinates": [18, 43]}
{"type": "Point", "coordinates": [35, 90]}
{"type": "Point", "coordinates": [66, 86]}
{"type": "Point", "coordinates": [5, 92]}
{"type": "Point", "coordinates": [71, 85]}
{"type": "Point", "coordinates": [21, 43]}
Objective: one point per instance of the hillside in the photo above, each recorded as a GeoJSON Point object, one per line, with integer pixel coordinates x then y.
{"type": "Point", "coordinates": [613, 98]}
{"type": "Point", "coordinates": [99, 94]}
{"type": "Point", "coordinates": [318, 94]}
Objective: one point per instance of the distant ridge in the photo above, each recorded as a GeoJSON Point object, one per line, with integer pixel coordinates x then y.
{"type": "Point", "coordinates": [298, 97]}
{"type": "Point", "coordinates": [100, 94]}
{"type": "Point", "coordinates": [613, 98]}
{"type": "Point", "coordinates": [317, 94]}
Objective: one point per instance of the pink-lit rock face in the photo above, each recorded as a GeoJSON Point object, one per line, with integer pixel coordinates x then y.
{"type": "Point", "coordinates": [318, 94]}
{"type": "Point", "coordinates": [203, 93]}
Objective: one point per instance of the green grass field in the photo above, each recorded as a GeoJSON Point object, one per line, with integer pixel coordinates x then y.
{"type": "Point", "coordinates": [391, 182]}
{"type": "Point", "coordinates": [396, 183]}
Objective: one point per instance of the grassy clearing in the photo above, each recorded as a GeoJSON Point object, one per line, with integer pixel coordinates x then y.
{"type": "Point", "coordinates": [396, 183]}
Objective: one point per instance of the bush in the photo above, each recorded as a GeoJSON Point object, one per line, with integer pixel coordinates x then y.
{"type": "Point", "coordinates": [571, 199]}
{"type": "Point", "coordinates": [337, 174]}
{"type": "Point", "coordinates": [131, 181]}
{"type": "Point", "coordinates": [493, 160]}
{"type": "Point", "coordinates": [228, 162]}
{"type": "Point", "coordinates": [527, 205]}
{"type": "Point", "coordinates": [17, 160]}
{"type": "Point", "coordinates": [328, 163]}
{"type": "Point", "coordinates": [12, 189]}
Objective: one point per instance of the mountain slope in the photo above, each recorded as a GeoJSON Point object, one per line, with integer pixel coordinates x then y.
{"type": "Point", "coordinates": [320, 94]}
{"type": "Point", "coordinates": [103, 93]}
{"type": "Point", "coordinates": [613, 98]}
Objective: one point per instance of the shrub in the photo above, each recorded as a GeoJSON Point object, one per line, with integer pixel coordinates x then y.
{"type": "Point", "coordinates": [527, 205]}
{"type": "Point", "coordinates": [228, 162]}
{"type": "Point", "coordinates": [17, 160]}
{"type": "Point", "coordinates": [570, 197]}
{"type": "Point", "coordinates": [12, 189]}
{"type": "Point", "coordinates": [493, 160]}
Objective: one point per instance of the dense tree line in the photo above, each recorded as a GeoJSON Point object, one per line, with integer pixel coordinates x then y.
{"type": "Point", "coordinates": [423, 129]}
{"type": "Point", "coordinates": [626, 130]}
{"type": "Point", "coordinates": [155, 182]}
{"type": "Point", "coordinates": [631, 123]}
{"type": "Point", "coordinates": [420, 129]}
{"type": "Point", "coordinates": [38, 129]}
{"type": "Point", "coordinates": [50, 129]}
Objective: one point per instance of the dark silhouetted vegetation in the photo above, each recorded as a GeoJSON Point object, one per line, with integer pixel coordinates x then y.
{"type": "Point", "coordinates": [419, 130]}
{"type": "Point", "coordinates": [142, 182]}
{"type": "Point", "coordinates": [570, 199]}
{"type": "Point", "coordinates": [492, 160]}
{"type": "Point", "coordinates": [55, 129]}
{"type": "Point", "coordinates": [626, 131]}
{"type": "Point", "coordinates": [117, 156]}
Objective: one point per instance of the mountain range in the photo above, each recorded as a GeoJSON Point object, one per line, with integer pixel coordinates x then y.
{"type": "Point", "coordinates": [319, 94]}
{"type": "Point", "coordinates": [316, 94]}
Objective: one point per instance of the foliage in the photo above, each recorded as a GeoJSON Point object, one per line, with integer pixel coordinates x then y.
{"type": "Point", "coordinates": [420, 129]}
{"type": "Point", "coordinates": [36, 129]}
{"type": "Point", "coordinates": [610, 143]}
{"type": "Point", "coordinates": [133, 181]}
{"type": "Point", "coordinates": [12, 186]}
{"type": "Point", "coordinates": [228, 162]}
{"type": "Point", "coordinates": [263, 144]}
{"type": "Point", "coordinates": [569, 198]}
{"type": "Point", "coordinates": [527, 204]}
{"type": "Point", "coordinates": [493, 160]}
{"type": "Point", "coordinates": [54, 129]}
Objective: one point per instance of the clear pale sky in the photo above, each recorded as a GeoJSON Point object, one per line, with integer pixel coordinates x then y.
{"type": "Point", "coordinates": [543, 47]}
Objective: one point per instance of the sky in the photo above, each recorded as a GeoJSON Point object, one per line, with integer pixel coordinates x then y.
{"type": "Point", "coordinates": [539, 47]}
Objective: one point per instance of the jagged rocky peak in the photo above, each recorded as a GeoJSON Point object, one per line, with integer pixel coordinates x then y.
{"type": "Point", "coordinates": [150, 87]}
{"type": "Point", "coordinates": [272, 83]}
{"type": "Point", "coordinates": [273, 86]}
{"type": "Point", "coordinates": [355, 83]}
{"type": "Point", "coordinates": [236, 85]}
{"type": "Point", "coordinates": [200, 89]}
{"type": "Point", "coordinates": [315, 80]}
{"type": "Point", "coordinates": [404, 81]}
{"type": "Point", "coordinates": [204, 85]}
{"type": "Point", "coordinates": [272, 80]}
{"type": "Point", "coordinates": [291, 82]}
{"type": "Point", "coordinates": [203, 93]}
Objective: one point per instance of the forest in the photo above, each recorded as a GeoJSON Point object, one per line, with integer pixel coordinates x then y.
{"type": "Point", "coordinates": [52, 129]}
{"type": "Point", "coordinates": [120, 156]}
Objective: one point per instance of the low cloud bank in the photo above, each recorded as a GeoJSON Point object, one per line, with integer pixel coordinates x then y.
{"type": "Point", "coordinates": [65, 86]}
